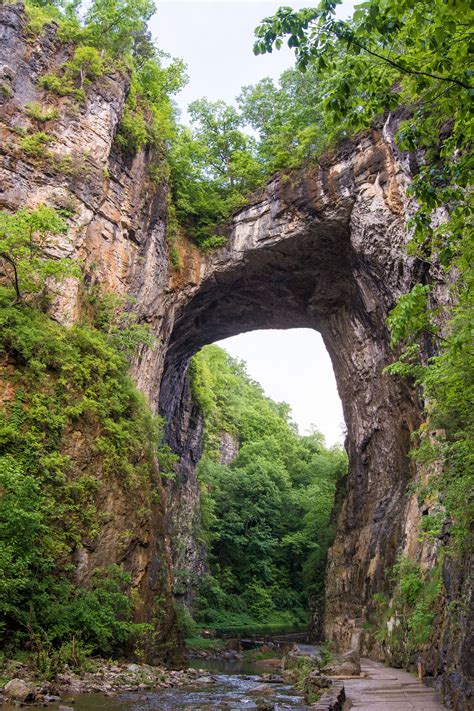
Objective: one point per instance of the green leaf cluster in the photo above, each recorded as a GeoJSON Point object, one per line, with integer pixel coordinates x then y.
{"type": "Point", "coordinates": [27, 247]}
{"type": "Point", "coordinates": [213, 168]}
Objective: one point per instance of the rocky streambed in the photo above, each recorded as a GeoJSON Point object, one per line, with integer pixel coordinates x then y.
{"type": "Point", "coordinates": [102, 677]}
{"type": "Point", "coordinates": [136, 687]}
{"type": "Point", "coordinates": [231, 682]}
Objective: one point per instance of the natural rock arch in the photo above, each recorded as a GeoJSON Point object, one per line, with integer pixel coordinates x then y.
{"type": "Point", "coordinates": [323, 249]}
{"type": "Point", "coordinates": [323, 246]}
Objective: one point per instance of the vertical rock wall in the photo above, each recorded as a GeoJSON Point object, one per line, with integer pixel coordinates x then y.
{"type": "Point", "coordinates": [116, 230]}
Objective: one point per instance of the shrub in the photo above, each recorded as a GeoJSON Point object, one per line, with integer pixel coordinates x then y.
{"type": "Point", "coordinates": [133, 132]}
{"type": "Point", "coordinates": [86, 65]}
{"type": "Point", "coordinates": [35, 144]}
{"type": "Point", "coordinates": [62, 86]}
{"type": "Point", "coordinates": [36, 112]}
{"type": "Point", "coordinates": [24, 239]}
{"type": "Point", "coordinates": [39, 16]}
{"type": "Point", "coordinates": [405, 622]}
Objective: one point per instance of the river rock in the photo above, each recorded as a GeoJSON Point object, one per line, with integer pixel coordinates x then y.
{"type": "Point", "coordinates": [261, 690]}
{"type": "Point", "coordinates": [134, 668]}
{"type": "Point", "coordinates": [19, 690]}
{"type": "Point", "coordinates": [205, 680]}
{"type": "Point", "coordinates": [272, 678]}
{"type": "Point", "coordinates": [264, 705]}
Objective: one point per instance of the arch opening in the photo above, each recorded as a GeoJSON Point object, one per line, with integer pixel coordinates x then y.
{"type": "Point", "coordinates": [308, 274]}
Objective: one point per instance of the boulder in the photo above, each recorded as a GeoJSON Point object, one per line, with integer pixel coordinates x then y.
{"type": "Point", "coordinates": [347, 665]}
{"type": "Point", "coordinates": [352, 656]}
{"type": "Point", "coordinates": [261, 690]}
{"type": "Point", "coordinates": [314, 685]}
{"type": "Point", "coordinates": [19, 690]}
{"type": "Point", "coordinates": [205, 680]}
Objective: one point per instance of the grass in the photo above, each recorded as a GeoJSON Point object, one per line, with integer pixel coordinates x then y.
{"type": "Point", "coordinates": [257, 655]}
{"type": "Point", "coordinates": [204, 644]}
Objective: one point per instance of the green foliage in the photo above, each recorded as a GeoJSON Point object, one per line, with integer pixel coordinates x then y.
{"type": "Point", "coordinates": [35, 144]}
{"type": "Point", "coordinates": [113, 314]}
{"type": "Point", "coordinates": [5, 90]}
{"type": "Point", "coordinates": [265, 516]}
{"type": "Point", "coordinates": [26, 239]}
{"type": "Point", "coordinates": [133, 131]}
{"type": "Point", "coordinates": [148, 119]}
{"type": "Point", "coordinates": [185, 621]}
{"type": "Point", "coordinates": [204, 643]}
{"type": "Point", "coordinates": [291, 122]}
{"type": "Point", "coordinates": [36, 112]}
{"type": "Point", "coordinates": [86, 64]}
{"type": "Point", "coordinates": [213, 168]}
{"type": "Point", "coordinates": [62, 86]}
{"type": "Point", "coordinates": [84, 67]}
{"type": "Point", "coordinates": [115, 24]}
{"type": "Point", "coordinates": [67, 380]}
{"type": "Point", "coordinates": [411, 316]}
{"type": "Point", "coordinates": [40, 14]}
{"type": "Point", "coordinates": [405, 623]}
{"type": "Point", "coordinates": [416, 42]}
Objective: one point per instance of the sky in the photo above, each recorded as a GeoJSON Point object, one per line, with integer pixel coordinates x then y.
{"type": "Point", "coordinates": [215, 39]}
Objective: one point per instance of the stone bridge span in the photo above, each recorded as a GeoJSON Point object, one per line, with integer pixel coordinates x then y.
{"type": "Point", "coordinates": [321, 248]}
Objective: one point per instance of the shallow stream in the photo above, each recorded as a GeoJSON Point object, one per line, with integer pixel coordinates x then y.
{"type": "Point", "coordinates": [231, 689]}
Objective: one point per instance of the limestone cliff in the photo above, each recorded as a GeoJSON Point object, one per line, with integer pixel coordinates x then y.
{"type": "Point", "coordinates": [118, 234]}
{"type": "Point", "coordinates": [321, 247]}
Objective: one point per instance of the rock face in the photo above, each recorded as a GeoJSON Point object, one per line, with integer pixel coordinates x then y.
{"type": "Point", "coordinates": [19, 690]}
{"type": "Point", "coordinates": [322, 248]}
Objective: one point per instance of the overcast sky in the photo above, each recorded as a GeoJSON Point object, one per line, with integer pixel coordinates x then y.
{"type": "Point", "coordinates": [215, 39]}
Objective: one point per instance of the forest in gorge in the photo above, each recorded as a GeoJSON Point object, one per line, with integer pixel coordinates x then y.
{"type": "Point", "coordinates": [266, 514]}
{"type": "Point", "coordinates": [266, 569]}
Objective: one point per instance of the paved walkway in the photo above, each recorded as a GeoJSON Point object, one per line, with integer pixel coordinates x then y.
{"type": "Point", "coordinates": [387, 689]}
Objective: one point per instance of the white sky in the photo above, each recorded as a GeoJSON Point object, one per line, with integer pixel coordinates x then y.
{"type": "Point", "coordinates": [215, 39]}
{"type": "Point", "coordinates": [294, 366]}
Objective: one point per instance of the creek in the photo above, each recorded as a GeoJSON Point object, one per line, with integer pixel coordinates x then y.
{"type": "Point", "coordinates": [231, 688]}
